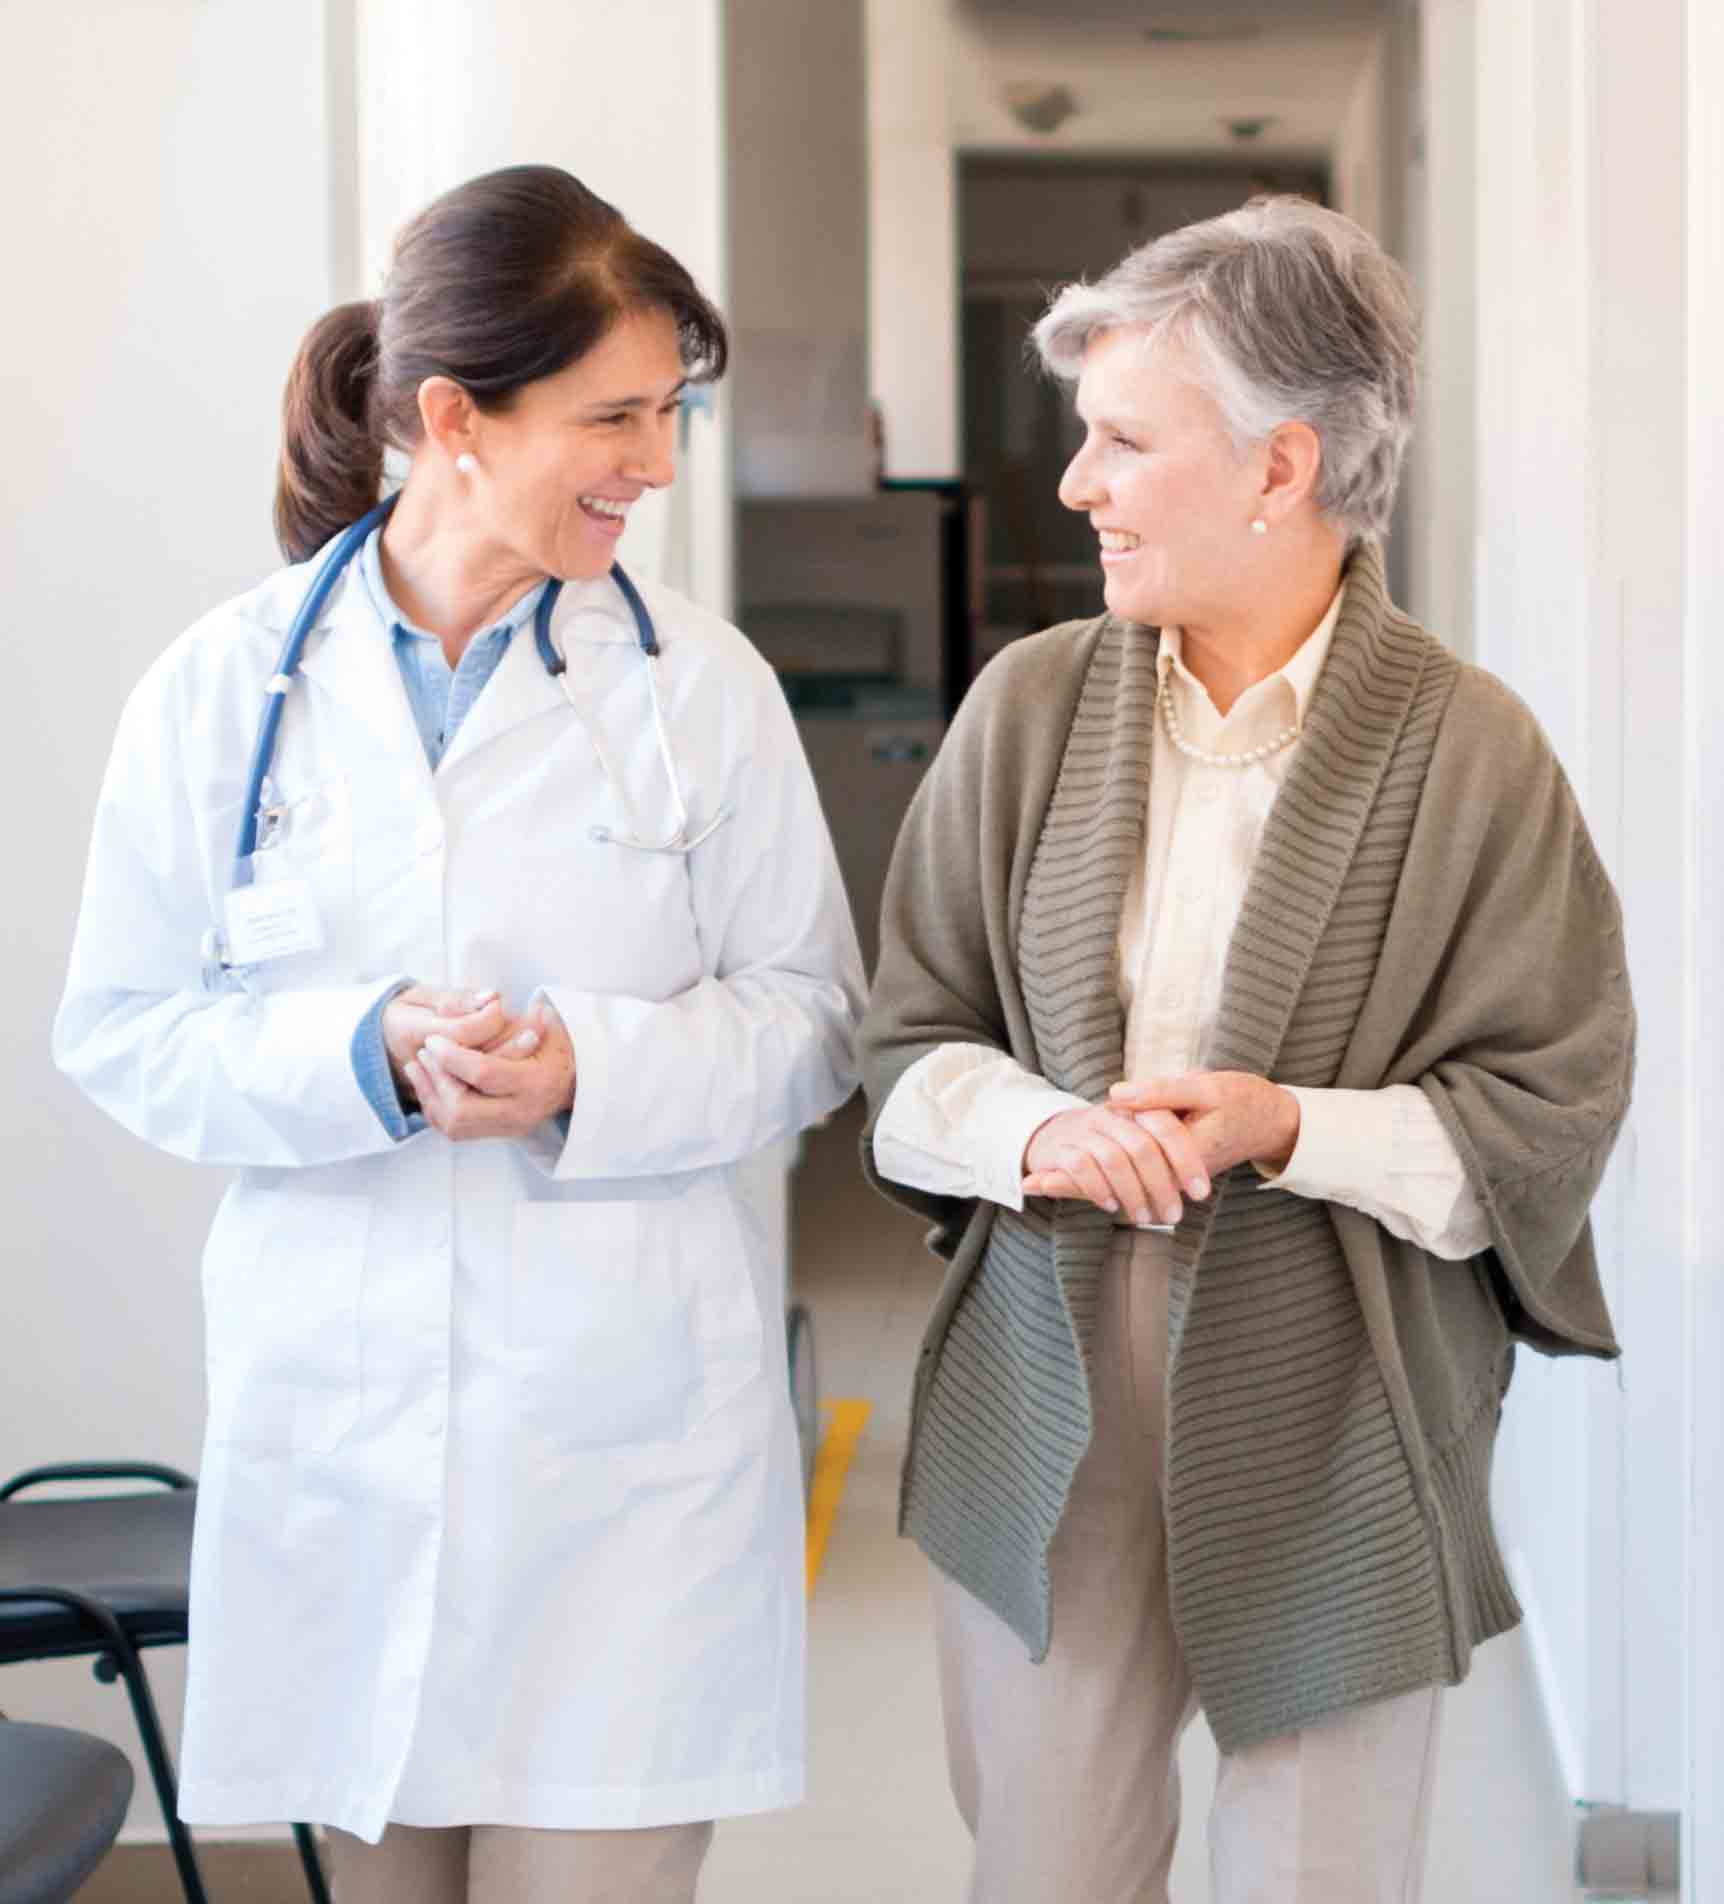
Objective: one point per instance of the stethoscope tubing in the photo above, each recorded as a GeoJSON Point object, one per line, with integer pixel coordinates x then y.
{"type": "Point", "coordinates": [323, 583]}
{"type": "Point", "coordinates": [286, 667]}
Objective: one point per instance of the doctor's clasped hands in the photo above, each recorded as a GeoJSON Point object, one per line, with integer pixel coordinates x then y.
{"type": "Point", "coordinates": [474, 1070]}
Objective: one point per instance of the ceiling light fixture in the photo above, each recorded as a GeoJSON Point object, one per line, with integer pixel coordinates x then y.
{"type": "Point", "coordinates": [1038, 107]}
{"type": "Point", "coordinates": [1201, 35]}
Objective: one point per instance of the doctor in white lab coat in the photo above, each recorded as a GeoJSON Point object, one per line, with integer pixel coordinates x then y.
{"type": "Point", "coordinates": [499, 1533]}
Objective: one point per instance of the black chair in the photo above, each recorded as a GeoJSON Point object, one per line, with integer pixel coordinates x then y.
{"type": "Point", "coordinates": [109, 1576]}
{"type": "Point", "coordinates": [63, 1798]}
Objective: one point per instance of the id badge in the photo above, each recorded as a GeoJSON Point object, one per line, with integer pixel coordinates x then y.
{"type": "Point", "coordinates": [271, 921]}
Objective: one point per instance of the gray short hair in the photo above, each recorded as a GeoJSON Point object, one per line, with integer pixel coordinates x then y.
{"type": "Point", "coordinates": [1295, 314]}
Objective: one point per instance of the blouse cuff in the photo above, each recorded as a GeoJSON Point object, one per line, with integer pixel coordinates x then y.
{"type": "Point", "coordinates": [371, 1068]}
{"type": "Point", "coordinates": [1343, 1148]}
{"type": "Point", "coordinates": [958, 1121]}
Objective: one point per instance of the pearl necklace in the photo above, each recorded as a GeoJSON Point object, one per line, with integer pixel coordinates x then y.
{"type": "Point", "coordinates": [1286, 738]}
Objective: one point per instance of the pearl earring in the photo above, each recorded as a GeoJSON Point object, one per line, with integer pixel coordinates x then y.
{"type": "Point", "coordinates": [1259, 527]}
{"type": "Point", "coordinates": [466, 462]}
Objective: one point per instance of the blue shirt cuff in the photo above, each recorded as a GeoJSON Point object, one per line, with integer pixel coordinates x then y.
{"type": "Point", "coordinates": [376, 1080]}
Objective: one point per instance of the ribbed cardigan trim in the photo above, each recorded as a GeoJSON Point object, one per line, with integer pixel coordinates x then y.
{"type": "Point", "coordinates": [1319, 1555]}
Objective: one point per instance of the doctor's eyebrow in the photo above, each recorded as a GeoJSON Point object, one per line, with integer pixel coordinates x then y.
{"type": "Point", "coordinates": [610, 405]}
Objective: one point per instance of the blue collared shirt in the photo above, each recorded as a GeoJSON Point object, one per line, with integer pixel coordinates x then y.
{"type": "Point", "coordinates": [440, 698]}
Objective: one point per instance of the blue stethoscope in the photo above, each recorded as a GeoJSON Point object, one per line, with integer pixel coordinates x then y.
{"type": "Point", "coordinates": [678, 840]}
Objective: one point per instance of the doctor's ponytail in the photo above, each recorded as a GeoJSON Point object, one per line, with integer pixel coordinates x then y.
{"type": "Point", "coordinates": [507, 279]}
{"type": "Point", "coordinates": [331, 468]}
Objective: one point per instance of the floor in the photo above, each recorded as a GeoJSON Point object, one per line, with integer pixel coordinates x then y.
{"type": "Point", "coordinates": [879, 1826]}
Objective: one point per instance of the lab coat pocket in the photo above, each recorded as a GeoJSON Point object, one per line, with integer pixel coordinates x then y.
{"type": "Point", "coordinates": [627, 1323]}
{"type": "Point", "coordinates": [283, 1276]}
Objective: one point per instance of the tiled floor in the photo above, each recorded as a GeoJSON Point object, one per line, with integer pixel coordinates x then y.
{"type": "Point", "coordinates": [879, 1825]}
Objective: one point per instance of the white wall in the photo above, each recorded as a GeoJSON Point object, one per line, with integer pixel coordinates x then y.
{"type": "Point", "coordinates": [169, 240]}
{"type": "Point", "coordinates": [187, 204]}
{"type": "Point", "coordinates": [450, 88]}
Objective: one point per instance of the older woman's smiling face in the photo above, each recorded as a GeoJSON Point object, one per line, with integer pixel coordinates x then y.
{"type": "Point", "coordinates": [1171, 500]}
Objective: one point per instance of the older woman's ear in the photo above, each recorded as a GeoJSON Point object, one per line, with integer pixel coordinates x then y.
{"type": "Point", "coordinates": [1292, 470]}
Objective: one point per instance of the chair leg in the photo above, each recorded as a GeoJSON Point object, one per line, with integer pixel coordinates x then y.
{"type": "Point", "coordinates": [131, 1670]}
{"type": "Point", "coordinates": [315, 1883]}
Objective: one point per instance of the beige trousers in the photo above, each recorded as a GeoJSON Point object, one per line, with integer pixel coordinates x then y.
{"type": "Point", "coordinates": [501, 1864]}
{"type": "Point", "coordinates": [1067, 1773]}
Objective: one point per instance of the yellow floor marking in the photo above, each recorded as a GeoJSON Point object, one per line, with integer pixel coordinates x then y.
{"type": "Point", "coordinates": [846, 1420]}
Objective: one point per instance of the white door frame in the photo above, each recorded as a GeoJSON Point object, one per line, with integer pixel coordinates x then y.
{"type": "Point", "coordinates": [1703, 1727]}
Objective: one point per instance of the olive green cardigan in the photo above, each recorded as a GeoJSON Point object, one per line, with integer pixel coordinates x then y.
{"type": "Point", "coordinates": [1426, 908]}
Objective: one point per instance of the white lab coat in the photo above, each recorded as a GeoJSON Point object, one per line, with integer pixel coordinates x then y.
{"type": "Point", "coordinates": [500, 1515]}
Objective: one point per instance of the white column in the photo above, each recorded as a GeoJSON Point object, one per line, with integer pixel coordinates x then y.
{"type": "Point", "coordinates": [1558, 1491]}
{"type": "Point", "coordinates": [796, 197]}
{"type": "Point", "coordinates": [628, 98]}
{"type": "Point", "coordinates": [913, 237]}
{"type": "Point", "coordinates": [1589, 445]}
{"type": "Point", "coordinates": [1439, 518]}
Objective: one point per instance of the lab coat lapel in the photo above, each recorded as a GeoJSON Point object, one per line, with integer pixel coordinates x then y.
{"type": "Point", "coordinates": [521, 689]}
{"type": "Point", "coordinates": [351, 658]}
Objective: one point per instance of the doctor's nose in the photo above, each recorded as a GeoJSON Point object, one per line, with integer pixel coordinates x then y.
{"type": "Point", "coordinates": [652, 454]}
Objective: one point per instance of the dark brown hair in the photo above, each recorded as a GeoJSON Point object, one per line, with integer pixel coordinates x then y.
{"type": "Point", "coordinates": [506, 279]}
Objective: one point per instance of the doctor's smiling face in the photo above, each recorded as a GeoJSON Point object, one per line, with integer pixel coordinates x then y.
{"type": "Point", "coordinates": [555, 473]}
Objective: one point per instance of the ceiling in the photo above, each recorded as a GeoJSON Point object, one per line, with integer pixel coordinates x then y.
{"type": "Point", "coordinates": [1298, 77]}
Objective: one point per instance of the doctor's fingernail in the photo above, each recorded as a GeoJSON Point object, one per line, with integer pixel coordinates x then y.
{"type": "Point", "coordinates": [528, 1041]}
{"type": "Point", "coordinates": [1199, 1187]}
{"type": "Point", "coordinates": [1111, 1207]}
{"type": "Point", "coordinates": [436, 1043]}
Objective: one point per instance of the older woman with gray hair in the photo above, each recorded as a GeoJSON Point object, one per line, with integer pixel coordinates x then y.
{"type": "Point", "coordinates": [1251, 1021]}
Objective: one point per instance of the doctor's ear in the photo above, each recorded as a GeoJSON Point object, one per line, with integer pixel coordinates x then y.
{"type": "Point", "coordinates": [449, 416]}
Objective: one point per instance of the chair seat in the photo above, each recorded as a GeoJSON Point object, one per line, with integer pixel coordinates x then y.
{"type": "Point", "coordinates": [63, 1798]}
{"type": "Point", "coordinates": [132, 1552]}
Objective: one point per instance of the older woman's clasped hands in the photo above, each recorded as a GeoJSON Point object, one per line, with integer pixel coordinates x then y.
{"type": "Point", "coordinates": [1160, 1137]}
{"type": "Point", "coordinates": [475, 1069]}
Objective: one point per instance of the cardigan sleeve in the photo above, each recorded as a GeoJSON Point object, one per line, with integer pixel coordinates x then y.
{"type": "Point", "coordinates": [1524, 1041]}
